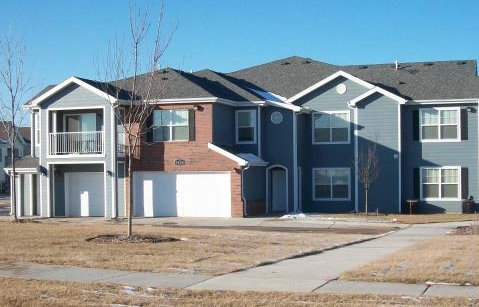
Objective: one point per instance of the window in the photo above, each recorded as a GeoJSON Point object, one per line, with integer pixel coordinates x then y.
{"type": "Point", "coordinates": [440, 182]}
{"type": "Point", "coordinates": [36, 119]}
{"type": "Point", "coordinates": [331, 183]}
{"type": "Point", "coordinates": [439, 124]}
{"type": "Point", "coordinates": [170, 125]}
{"type": "Point", "coordinates": [246, 126]}
{"type": "Point", "coordinates": [331, 127]}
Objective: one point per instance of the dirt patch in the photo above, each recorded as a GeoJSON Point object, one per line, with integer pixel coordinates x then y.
{"type": "Point", "coordinates": [121, 238]}
{"type": "Point", "coordinates": [472, 230]}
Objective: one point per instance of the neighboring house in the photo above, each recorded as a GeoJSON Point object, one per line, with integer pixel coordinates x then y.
{"type": "Point", "coordinates": [275, 138]}
{"type": "Point", "coordinates": [22, 148]}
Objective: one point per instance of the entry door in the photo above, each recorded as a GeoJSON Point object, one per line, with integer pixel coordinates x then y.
{"type": "Point", "coordinates": [278, 190]}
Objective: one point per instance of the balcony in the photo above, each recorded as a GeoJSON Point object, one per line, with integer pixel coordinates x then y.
{"type": "Point", "coordinates": [76, 143]}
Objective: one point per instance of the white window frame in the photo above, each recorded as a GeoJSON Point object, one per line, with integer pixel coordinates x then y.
{"type": "Point", "coordinates": [36, 119]}
{"type": "Point", "coordinates": [171, 125]}
{"type": "Point", "coordinates": [330, 128]}
{"type": "Point", "coordinates": [331, 185]}
{"type": "Point", "coordinates": [459, 183]}
{"type": "Point", "coordinates": [254, 126]}
{"type": "Point", "coordinates": [440, 109]}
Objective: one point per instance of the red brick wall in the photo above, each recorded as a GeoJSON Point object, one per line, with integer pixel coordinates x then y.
{"type": "Point", "coordinates": [161, 156]}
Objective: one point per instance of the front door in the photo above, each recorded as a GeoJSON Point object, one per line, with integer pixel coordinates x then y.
{"type": "Point", "coordinates": [278, 190]}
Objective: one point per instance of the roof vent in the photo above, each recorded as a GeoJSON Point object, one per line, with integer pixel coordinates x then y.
{"type": "Point", "coordinates": [165, 71]}
{"type": "Point", "coordinates": [164, 78]}
{"type": "Point", "coordinates": [306, 62]}
{"type": "Point", "coordinates": [428, 64]}
{"type": "Point", "coordinates": [402, 82]}
{"type": "Point", "coordinates": [362, 67]}
{"type": "Point", "coordinates": [461, 62]}
{"type": "Point", "coordinates": [285, 63]}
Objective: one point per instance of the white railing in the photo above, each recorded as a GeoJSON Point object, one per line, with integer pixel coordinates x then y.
{"type": "Point", "coordinates": [120, 146]}
{"type": "Point", "coordinates": [79, 143]}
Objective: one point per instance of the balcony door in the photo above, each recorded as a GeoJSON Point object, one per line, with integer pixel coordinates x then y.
{"type": "Point", "coordinates": [80, 122]}
{"type": "Point", "coordinates": [81, 133]}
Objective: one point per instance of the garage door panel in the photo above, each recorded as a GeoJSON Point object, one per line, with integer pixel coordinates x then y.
{"type": "Point", "coordinates": [85, 195]}
{"type": "Point", "coordinates": [194, 194]}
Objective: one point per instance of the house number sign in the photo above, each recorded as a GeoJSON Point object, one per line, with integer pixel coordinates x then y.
{"type": "Point", "coordinates": [179, 162]}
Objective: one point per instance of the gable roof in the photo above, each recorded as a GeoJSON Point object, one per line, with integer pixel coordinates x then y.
{"type": "Point", "coordinates": [6, 125]}
{"type": "Point", "coordinates": [25, 132]}
{"type": "Point", "coordinates": [411, 81]}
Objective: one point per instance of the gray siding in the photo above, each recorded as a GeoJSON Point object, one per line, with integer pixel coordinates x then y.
{"type": "Point", "coordinates": [327, 155]}
{"type": "Point", "coordinates": [74, 97]}
{"type": "Point", "coordinates": [417, 154]}
{"type": "Point", "coordinates": [378, 124]}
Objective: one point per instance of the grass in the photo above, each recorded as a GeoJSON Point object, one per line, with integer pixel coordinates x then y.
{"type": "Point", "coordinates": [406, 218]}
{"type": "Point", "coordinates": [449, 259]}
{"type": "Point", "coordinates": [26, 293]}
{"type": "Point", "coordinates": [200, 251]}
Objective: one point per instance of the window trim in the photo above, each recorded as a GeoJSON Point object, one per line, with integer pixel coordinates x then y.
{"type": "Point", "coordinates": [440, 168]}
{"type": "Point", "coordinates": [440, 109]}
{"type": "Point", "coordinates": [250, 111]}
{"type": "Point", "coordinates": [170, 125]}
{"type": "Point", "coordinates": [37, 128]}
{"type": "Point", "coordinates": [330, 133]}
{"type": "Point", "coordinates": [330, 169]}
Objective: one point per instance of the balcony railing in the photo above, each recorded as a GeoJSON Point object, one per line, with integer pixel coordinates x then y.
{"type": "Point", "coordinates": [76, 143]}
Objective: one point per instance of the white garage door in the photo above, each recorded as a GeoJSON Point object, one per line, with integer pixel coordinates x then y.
{"type": "Point", "coordinates": [195, 194]}
{"type": "Point", "coordinates": [84, 194]}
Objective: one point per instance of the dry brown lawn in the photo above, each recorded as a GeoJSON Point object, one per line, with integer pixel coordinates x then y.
{"type": "Point", "coordinates": [200, 251]}
{"type": "Point", "coordinates": [26, 293]}
{"type": "Point", "coordinates": [450, 259]}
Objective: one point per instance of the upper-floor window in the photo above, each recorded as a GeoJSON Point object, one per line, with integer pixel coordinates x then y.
{"type": "Point", "coordinates": [440, 182]}
{"type": "Point", "coordinates": [331, 183]}
{"type": "Point", "coordinates": [440, 124]}
{"type": "Point", "coordinates": [170, 125]}
{"type": "Point", "coordinates": [246, 126]}
{"type": "Point", "coordinates": [331, 127]}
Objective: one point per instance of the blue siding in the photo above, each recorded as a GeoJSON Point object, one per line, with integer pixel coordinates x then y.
{"type": "Point", "coordinates": [418, 154]}
{"type": "Point", "coordinates": [223, 125]}
{"type": "Point", "coordinates": [277, 144]}
{"type": "Point", "coordinates": [326, 155]}
{"type": "Point", "coordinates": [254, 183]}
{"type": "Point", "coordinates": [378, 124]}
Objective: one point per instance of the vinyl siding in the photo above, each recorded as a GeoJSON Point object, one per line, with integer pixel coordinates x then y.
{"type": "Point", "coordinates": [254, 183]}
{"type": "Point", "coordinates": [223, 125]}
{"type": "Point", "coordinates": [327, 155]}
{"type": "Point", "coordinates": [378, 124]}
{"type": "Point", "coordinates": [418, 154]}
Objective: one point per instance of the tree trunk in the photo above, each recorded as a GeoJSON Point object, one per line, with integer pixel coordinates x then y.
{"type": "Point", "coordinates": [366, 200]}
{"type": "Point", "coordinates": [130, 203]}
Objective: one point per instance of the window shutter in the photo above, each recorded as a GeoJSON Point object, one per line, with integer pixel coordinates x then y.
{"type": "Point", "coordinates": [464, 125]}
{"type": "Point", "coordinates": [191, 124]}
{"type": "Point", "coordinates": [415, 125]}
{"type": "Point", "coordinates": [149, 125]}
{"type": "Point", "coordinates": [464, 183]}
{"type": "Point", "coordinates": [416, 183]}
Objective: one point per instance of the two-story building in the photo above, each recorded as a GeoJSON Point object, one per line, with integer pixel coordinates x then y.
{"type": "Point", "coordinates": [281, 137]}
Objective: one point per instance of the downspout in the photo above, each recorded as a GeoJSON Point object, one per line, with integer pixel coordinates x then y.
{"type": "Point", "coordinates": [243, 198]}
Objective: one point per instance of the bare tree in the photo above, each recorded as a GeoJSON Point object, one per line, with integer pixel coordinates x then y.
{"type": "Point", "coordinates": [13, 87]}
{"type": "Point", "coordinates": [368, 170]}
{"type": "Point", "coordinates": [135, 95]}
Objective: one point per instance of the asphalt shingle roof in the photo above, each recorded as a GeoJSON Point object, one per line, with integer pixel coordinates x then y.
{"type": "Point", "coordinates": [287, 77]}
{"type": "Point", "coordinates": [26, 162]}
{"type": "Point", "coordinates": [418, 81]}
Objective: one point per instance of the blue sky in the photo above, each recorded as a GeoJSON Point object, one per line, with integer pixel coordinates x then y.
{"type": "Point", "coordinates": [63, 38]}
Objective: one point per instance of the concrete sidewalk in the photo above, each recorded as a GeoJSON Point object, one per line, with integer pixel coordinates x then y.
{"type": "Point", "coordinates": [317, 273]}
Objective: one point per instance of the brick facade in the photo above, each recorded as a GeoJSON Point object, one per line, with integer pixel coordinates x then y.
{"type": "Point", "coordinates": [161, 156]}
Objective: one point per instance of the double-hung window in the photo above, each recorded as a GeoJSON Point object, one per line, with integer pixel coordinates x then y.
{"type": "Point", "coordinates": [170, 125]}
{"type": "Point", "coordinates": [439, 124]}
{"type": "Point", "coordinates": [331, 127]}
{"type": "Point", "coordinates": [331, 183]}
{"type": "Point", "coordinates": [246, 126]}
{"type": "Point", "coordinates": [440, 182]}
